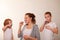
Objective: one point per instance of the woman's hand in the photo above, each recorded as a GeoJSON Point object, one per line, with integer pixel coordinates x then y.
{"type": "Point", "coordinates": [20, 25]}
{"type": "Point", "coordinates": [29, 38]}
{"type": "Point", "coordinates": [26, 37]}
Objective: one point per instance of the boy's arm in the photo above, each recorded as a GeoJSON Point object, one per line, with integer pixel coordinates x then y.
{"type": "Point", "coordinates": [42, 28]}
{"type": "Point", "coordinates": [55, 30]}
{"type": "Point", "coordinates": [43, 25]}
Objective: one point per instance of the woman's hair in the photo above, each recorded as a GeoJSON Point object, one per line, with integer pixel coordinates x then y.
{"type": "Point", "coordinates": [6, 22]}
{"type": "Point", "coordinates": [48, 13]}
{"type": "Point", "coordinates": [31, 15]}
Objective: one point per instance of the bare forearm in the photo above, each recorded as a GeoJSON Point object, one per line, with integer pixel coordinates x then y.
{"type": "Point", "coordinates": [20, 25]}
{"type": "Point", "coordinates": [41, 28]}
{"type": "Point", "coordinates": [55, 30]}
{"type": "Point", "coordinates": [19, 31]}
{"type": "Point", "coordinates": [4, 28]}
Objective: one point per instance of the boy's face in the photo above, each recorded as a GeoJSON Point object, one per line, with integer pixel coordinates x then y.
{"type": "Point", "coordinates": [47, 17]}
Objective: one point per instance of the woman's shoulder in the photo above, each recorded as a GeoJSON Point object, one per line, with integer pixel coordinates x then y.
{"type": "Point", "coordinates": [35, 26]}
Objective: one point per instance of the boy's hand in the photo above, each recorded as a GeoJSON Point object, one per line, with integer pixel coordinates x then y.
{"type": "Point", "coordinates": [46, 22]}
{"type": "Point", "coordinates": [48, 27]}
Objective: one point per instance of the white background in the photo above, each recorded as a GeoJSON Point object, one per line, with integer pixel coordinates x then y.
{"type": "Point", "coordinates": [15, 10]}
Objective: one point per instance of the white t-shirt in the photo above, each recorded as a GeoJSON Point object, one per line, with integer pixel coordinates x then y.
{"type": "Point", "coordinates": [48, 34]}
{"type": "Point", "coordinates": [8, 34]}
{"type": "Point", "coordinates": [27, 32]}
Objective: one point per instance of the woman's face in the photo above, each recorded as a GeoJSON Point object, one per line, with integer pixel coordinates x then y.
{"type": "Point", "coordinates": [47, 17]}
{"type": "Point", "coordinates": [27, 19]}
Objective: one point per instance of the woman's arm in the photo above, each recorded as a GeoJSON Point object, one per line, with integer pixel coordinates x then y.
{"type": "Point", "coordinates": [29, 38]}
{"type": "Point", "coordinates": [33, 38]}
{"type": "Point", "coordinates": [19, 30]}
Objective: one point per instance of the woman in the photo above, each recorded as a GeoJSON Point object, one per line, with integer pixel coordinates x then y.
{"type": "Point", "coordinates": [30, 31]}
{"type": "Point", "coordinates": [49, 27]}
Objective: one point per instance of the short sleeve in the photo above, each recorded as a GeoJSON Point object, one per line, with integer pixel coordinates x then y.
{"type": "Point", "coordinates": [54, 25]}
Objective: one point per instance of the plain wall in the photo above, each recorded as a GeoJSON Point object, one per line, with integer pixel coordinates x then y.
{"type": "Point", "coordinates": [15, 10]}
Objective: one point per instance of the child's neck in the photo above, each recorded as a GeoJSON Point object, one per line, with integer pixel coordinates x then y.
{"type": "Point", "coordinates": [49, 21]}
{"type": "Point", "coordinates": [9, 27]}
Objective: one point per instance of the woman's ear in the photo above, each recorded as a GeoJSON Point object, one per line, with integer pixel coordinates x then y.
{"type": "Point", "coordinates": [31, 18]}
